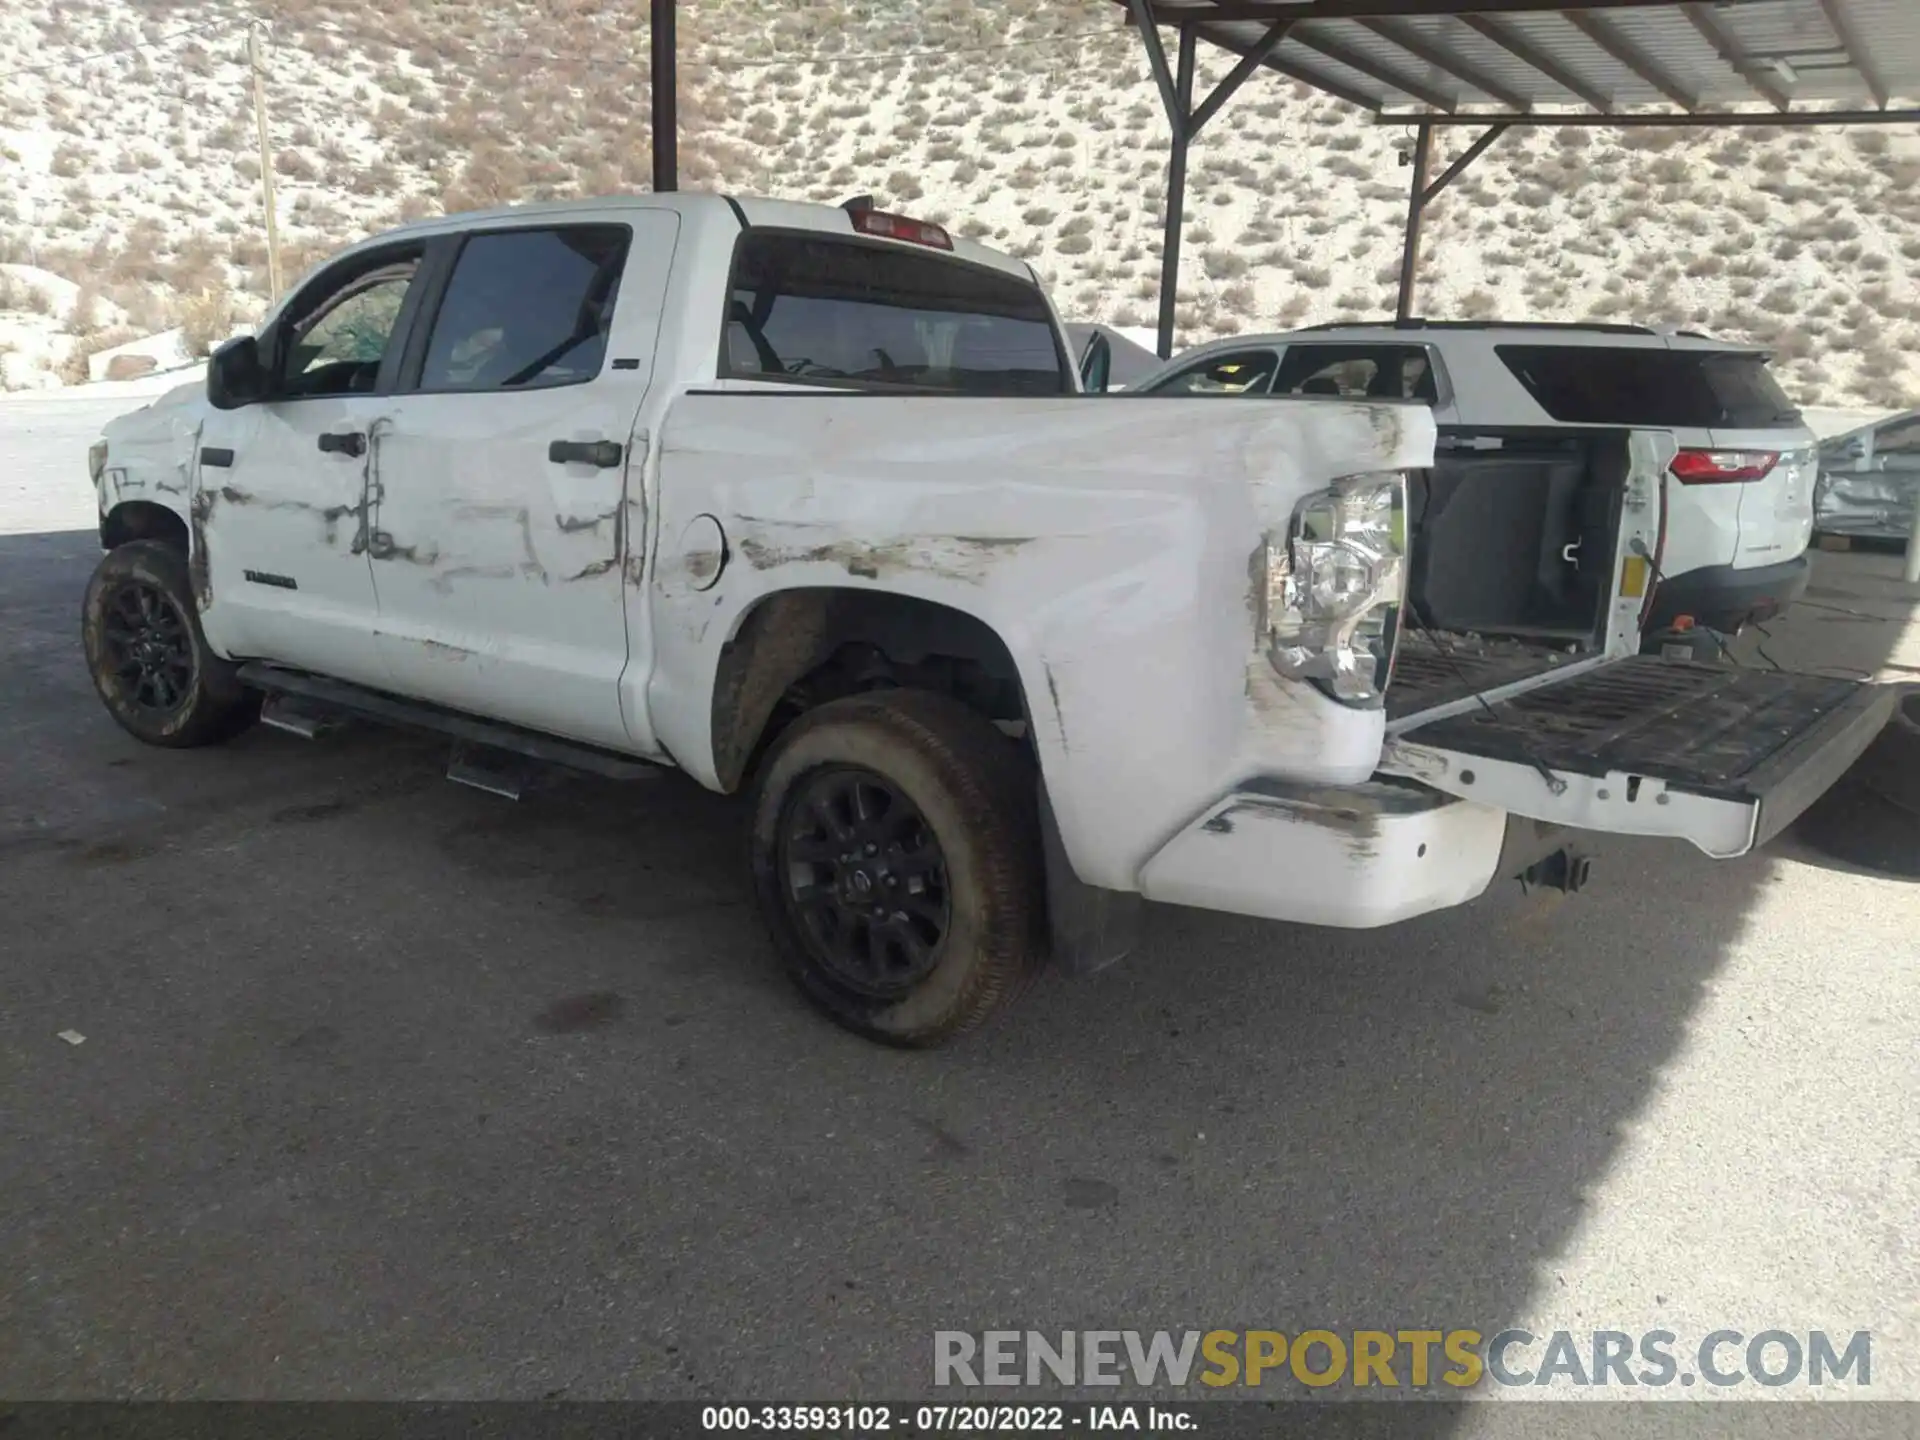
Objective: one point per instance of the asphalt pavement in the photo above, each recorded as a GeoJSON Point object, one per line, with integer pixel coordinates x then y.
{"type": "Point", "coordinates": [389, 1088]}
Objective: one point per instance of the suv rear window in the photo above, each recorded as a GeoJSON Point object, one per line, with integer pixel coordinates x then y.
{"type": "Point", "coordinates": [1620, 385]}
{"type": "Point", "coordinates": [815, 308]}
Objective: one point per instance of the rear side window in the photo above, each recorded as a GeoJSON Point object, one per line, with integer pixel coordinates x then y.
{"type": "Point", "coordinates": [526, 309]}
{"type": "Point", "coordinates": [815, 308]}
{"type": "Point", "coordinates": [1242, 372]}
{"type": "Point", "coordinates": [1614, 385]}
{"type": "Point", "coordinates": [1360, 372]}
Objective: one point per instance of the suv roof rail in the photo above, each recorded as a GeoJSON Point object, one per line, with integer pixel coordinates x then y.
{"type": "Point", "coordinates": [1591, 326]}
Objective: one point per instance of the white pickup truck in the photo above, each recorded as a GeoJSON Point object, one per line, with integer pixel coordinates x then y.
{"type": "Point", "coordinates": [807, 502]}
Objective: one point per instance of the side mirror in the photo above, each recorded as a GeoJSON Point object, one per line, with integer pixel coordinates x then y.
{"type": "Point", "coordinates": [1096, 366]}
{"type": "Point", "coordinates": [235, 374]}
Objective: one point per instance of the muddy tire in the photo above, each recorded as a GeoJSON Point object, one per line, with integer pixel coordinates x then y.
{"type": "Point", "coordinates": [147, 656]}
{"type": "Point", "coordinates": [896, 856]}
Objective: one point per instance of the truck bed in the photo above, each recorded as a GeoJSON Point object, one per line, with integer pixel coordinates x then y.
{"type": "Point", "coordinates": [1435, 669]}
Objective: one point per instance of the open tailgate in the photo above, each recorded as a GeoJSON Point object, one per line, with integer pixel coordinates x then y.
{"type": "Point", "coordinates": [1648, 746]}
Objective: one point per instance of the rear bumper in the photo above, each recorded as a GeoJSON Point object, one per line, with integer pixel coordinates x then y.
{"type": "Point", "coordinates": [1353, 857]}
{"type": "Point", "coordinates": [1720, 597]}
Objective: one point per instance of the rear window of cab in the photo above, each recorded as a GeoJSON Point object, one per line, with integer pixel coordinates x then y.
{"type": "Point", "coordinates": [816, 309]}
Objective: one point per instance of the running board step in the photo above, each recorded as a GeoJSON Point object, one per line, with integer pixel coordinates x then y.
{"type": "Point", "coordinates": [498, 772]}
{"type": "Point", "coordinates": [293, 692]}
{"type": "Point", "coordinates": [285, 712]}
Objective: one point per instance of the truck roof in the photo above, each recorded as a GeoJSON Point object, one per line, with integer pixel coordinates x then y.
{"type": "Point", "coordinates": [753, 210]}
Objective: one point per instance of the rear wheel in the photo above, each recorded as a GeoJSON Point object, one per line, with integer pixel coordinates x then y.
{"type": "Point", "coordinates": [149, 660]}
{"type": "Point", "coordinates": [895, 850]}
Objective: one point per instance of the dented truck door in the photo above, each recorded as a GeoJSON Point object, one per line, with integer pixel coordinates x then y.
{"type": "Point", "coordinates": [508, 491]}
{"type": "Point", "coordinates": [279, 544]}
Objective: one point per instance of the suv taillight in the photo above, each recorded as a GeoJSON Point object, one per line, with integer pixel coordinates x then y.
{"type": "Point", "coordinates": [1722, 467]}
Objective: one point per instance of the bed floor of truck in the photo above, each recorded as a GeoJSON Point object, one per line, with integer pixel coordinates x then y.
{"type": "Point", "coordinates": [1430, 671]}
{"type": "Point", "coordinates": [1701, 726]}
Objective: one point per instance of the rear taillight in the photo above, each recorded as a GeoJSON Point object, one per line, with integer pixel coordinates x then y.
{"type": "Point", "coordinates": [1723, 467]}
{"type": "Point", "coordinates": [901, 227]}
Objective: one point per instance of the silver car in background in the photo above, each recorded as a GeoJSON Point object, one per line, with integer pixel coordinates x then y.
{"type": "Point", "coordinates": [1870, 480]}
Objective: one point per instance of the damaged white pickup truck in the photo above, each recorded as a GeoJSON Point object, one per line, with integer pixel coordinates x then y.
{"type": "Point", "coordinates": [806, 502]}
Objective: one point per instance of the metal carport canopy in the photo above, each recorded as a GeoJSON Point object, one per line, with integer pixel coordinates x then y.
{"type": "Point", "coordinates": [1502, 63]}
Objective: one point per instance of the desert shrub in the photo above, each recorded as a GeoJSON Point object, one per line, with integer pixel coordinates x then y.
{"type": "Point", "coordinates": [1223, 264]}
{"type": "Point", "coordinates": [72, 370]}
{"type": "Point", "coordinates": [69, 160]}
{"type": "Point", "coordinates": [17, 294]}
{"type": "Point", "coordinates": [1704, 265]}
{"type": "Point", "coordinates": [1076, 244]}
{"type": "Point", "coordinates": [84, 318]}
{"type": "Point", "coordinates": [207, 319]}
{"type": "Point", "coordinates": [1481, 304]}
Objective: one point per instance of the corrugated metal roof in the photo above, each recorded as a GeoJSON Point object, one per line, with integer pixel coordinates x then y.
{"type": "Point", "coordinates": [1583, 56]}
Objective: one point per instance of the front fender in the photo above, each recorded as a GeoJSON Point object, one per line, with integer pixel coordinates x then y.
{"type": "Point", "coordinates": [150, 462]}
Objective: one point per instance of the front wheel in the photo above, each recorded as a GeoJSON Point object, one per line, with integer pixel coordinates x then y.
{"type": "Point", "coordinates": [896, 855]}
{"type": "Point", "coordinates": [148, 657]}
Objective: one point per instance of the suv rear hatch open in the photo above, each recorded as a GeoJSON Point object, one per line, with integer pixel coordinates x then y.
{"type": "Point", "coordinates": [1517, 681]}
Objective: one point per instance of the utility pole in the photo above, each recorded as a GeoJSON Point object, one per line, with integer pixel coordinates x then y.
{"type": "Point", "coordinates": [266, 160]}
{"type": "Point", "coordinates": [666, 98]}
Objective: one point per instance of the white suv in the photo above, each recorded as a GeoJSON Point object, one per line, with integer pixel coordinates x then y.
{"type": "Point", "coordinates": [1739, 497]}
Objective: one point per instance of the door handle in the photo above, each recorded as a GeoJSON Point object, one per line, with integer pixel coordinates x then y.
{"type": "Point", "coordinates": [346, 442]}
{"type": "Point", "coordinates": [604, 453]}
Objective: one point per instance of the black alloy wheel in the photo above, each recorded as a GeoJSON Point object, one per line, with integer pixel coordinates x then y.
{"type": "Point", "coordinates": [149, 647]}
{"type": "Point", "coordinates": [866, 881]}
